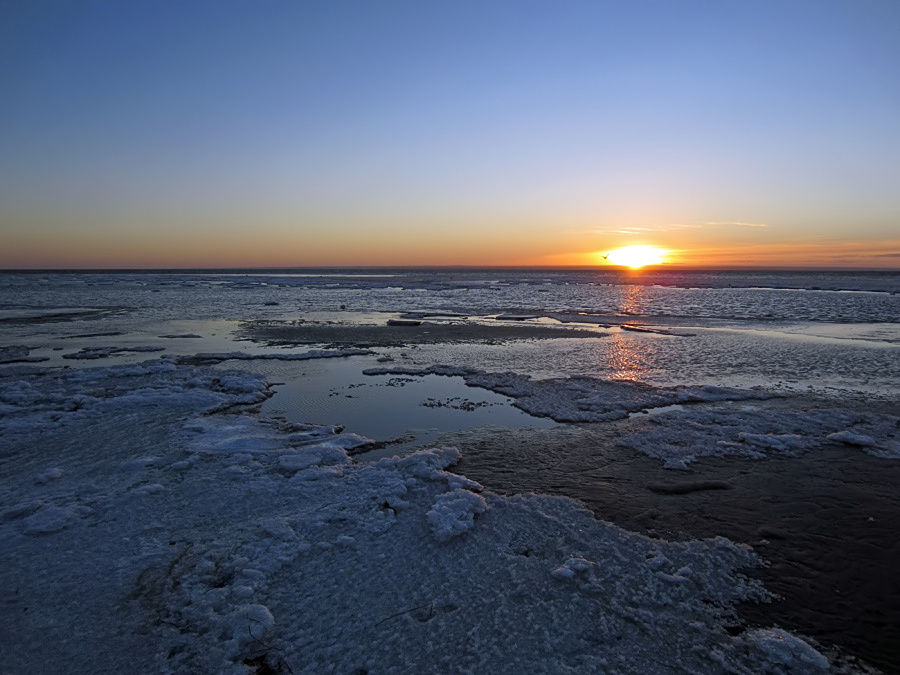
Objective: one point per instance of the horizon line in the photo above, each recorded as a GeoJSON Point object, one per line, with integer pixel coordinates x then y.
{"type": "Point", "coordinates": [620, 268]}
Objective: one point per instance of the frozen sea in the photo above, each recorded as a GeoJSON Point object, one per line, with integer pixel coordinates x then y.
{"type": "Point", "coordinates": [250, 471]}
{"type": "Point", "coordinates": [832, 332]}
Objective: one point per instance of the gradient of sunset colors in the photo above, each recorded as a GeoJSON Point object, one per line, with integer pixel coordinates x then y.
{"type": "Point", "coordinates": [165, 133]}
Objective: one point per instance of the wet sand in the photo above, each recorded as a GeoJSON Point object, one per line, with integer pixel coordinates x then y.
{"type": "Point", "coordinates": [826, 523]}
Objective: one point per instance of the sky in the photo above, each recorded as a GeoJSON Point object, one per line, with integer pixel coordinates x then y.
{"type": "Point", "coordinates": [268, 133]}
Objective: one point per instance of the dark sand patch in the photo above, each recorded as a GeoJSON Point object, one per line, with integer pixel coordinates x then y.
{"type": "Point", "coordinates": [395, 336]}
{"type": "Point", "coordinates": [827, 523]}
{"type": "Point", "coordinates": [685, 487]}
{"type": "Point", "coordinates": [62, 315]}
{"type": "Point", "coordinates": [109, 333]}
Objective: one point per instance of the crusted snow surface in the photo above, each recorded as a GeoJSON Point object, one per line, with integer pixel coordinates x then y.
{"type": "Point", "coordinates": [878, 436]}
{"type": "Point", "coordinates": [248, 434]}
{"type": "Point", "coordinates": [348, 572]}
{"type": "Point", "coordinates": [579, 399]}
{"type": "Point", "coordinates": [680, 437]}
{"type": "Point", "coordinates": [168, 539]}
{"type": "Point", "coordinates": [453, 513]}
{"type": "Point", "coordinates": [48, 398]}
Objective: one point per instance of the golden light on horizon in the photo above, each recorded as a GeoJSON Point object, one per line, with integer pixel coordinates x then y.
{"type": "Point", "coordinates": [636, 256]}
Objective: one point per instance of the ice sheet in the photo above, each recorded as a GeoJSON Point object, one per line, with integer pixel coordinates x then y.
{"type": "Point", "coordinates": [152, 533]}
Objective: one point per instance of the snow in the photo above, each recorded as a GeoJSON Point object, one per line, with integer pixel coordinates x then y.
{"type": "Point", "coordinates": [571, 567]}
{"type": "Point", "coordinates": [249, 625]}
{"type": "Point", "coordinates": [246, 434]}
{"type": "Point", "coordinates": [52, 398]}
{"type": "Point", "coordinates": [54, 473]}
{"type": "Point", "coordinates": [49, 518]}
{"type": "Point", "coordinates": [851, 438]}
{"type": "Point", "coordinates": [176, 532]}
{"type": "Point", "coordinates": [315, 455]}
{"type": "Point", "coordinates": [781, 649]}
{"type": "Point", "coordinates": [680, 437]}
{"type": "Point", "coordinates": [453, 513]}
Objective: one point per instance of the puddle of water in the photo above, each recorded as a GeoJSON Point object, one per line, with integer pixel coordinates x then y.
{"type": "Point", "coordinates": [655, 411]}
{"type": "Point", "coordinates": [410, 410]}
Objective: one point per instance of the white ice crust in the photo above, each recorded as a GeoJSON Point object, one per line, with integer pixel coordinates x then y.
{"type": "Point", "coordinates": [149, 527]}
{"type": "Point", "coordinates": [682, 436]}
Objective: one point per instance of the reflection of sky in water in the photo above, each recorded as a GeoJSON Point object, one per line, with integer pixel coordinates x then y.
{"type": "Point", "coordinates": [384, 407]}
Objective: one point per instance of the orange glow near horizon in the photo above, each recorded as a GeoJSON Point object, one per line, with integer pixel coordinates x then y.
{"type": "Point", "coordinates": [636, 257]}
{"type": "Point", "coordinates": [232, 245]}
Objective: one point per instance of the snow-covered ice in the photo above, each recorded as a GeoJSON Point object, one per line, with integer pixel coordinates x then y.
{"type": "Point", "coordinates": [679, 437]}
{"type": "Point", "coordinates": [149, 525]}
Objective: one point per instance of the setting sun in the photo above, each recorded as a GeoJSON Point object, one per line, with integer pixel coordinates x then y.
{"type": "Point", "coordinates": [636, 256]}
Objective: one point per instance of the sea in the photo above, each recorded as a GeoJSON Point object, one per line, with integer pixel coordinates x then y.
{"type": "Point", "coordinates": [828, 333]}
{"type": "Point", "coordinates": [791, 448]}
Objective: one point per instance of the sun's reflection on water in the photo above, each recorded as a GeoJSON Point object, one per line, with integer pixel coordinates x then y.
{"type": "Point", "coordinates": [633, 300]}
{"type": "Point", "coordinates": [629, 357]}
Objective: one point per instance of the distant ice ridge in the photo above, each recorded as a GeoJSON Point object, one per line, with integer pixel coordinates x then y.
{"type": "Point", "coordinates": [436, 280]}
{"type": "Point", "coordinates": [145, 534]}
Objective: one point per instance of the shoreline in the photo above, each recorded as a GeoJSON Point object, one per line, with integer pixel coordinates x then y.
{"type": "Point", "coordinates": [165, 524]}
{"type": "Point", "coordinates": [824, 522]}
{"type": "Point", "coordinates": [807, 515]}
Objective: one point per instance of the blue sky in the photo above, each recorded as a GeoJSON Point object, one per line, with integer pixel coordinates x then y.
{"type": "Point", "coordinates": [299, 133]}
